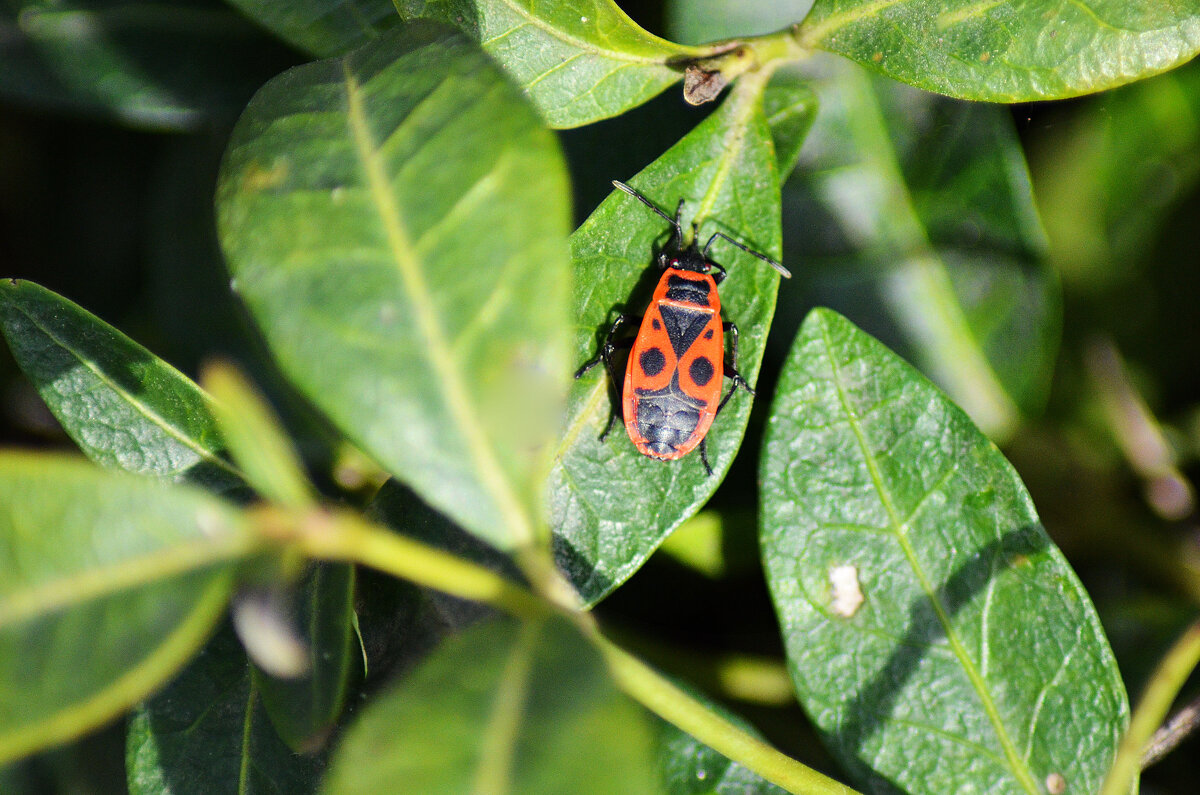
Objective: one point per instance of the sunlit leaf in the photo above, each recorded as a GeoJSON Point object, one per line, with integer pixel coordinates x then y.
{"type": "Point", "coordinates": [396, 222]}
{"type": "Point", "coordinates": [935, 635]}
{"type": "Point", "coordinates": [1008, 50]}
{"type": "Point", "coordinates": [610, 505]}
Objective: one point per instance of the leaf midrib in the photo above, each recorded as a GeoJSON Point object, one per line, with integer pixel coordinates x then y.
{"type": "Point", "coordinates": [435, 342]}
{"type": "Point", "coordinates": [1016, 764]}
{"type": "Point", "coordinates": [498, 740]}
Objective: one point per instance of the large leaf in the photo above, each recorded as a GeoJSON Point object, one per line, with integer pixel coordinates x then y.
{"type": "Point", "coordinates": [108, 583]}
{"type": "Point", "coordinates": [171, 64]}
{"type": "Point", "coordinates": [611, 506]}
{"type": "Point", "coordinates": [922, 206]}
{"type": "Point", "coordinates": [934, 633]}
{"type": "Point", "coordinates": [689, 767]}
{"type": "Point", "coordinates": [1008, 50]}
{"type": "Point", "coordinates": [125, 408]}
{"type": "Point", "coordinates": [505, 707]}
{"type": "Point", "coordinates": [207, 732]}
{"type": "Point", "coordinates": [396, 221]}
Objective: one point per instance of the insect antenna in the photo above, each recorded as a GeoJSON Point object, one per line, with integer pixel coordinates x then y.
{"type": "Point", "coordinates": [672, 221]}
{"type": "Point", "coordinates": [777, 266]}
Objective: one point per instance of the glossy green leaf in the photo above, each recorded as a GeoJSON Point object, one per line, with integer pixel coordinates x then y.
{"type": "Point", "coordinates": [322, 27]}
{"type": "Point", "coordinates": [171, 64]}
{"type": "Point", "coordinates": [125, 408]}
{"type": "Point", "coordinates": [612, 506]}
{"type": "Point", "coordinates": [1108, 179]}
{"type": "Point", "coordinates": [935, 635]}
{"type": "Point", "coordinates": [304, 710]}
{"type": "Point", "coordinates": [108, 583]}
{"type": "Point", "coordinates": [395, 220]}
{"type": "Point", "coordinates": [579, 61]}
{"type": "Point", "coordinates": [207, 732]}
{"type": "Point", "coordinates": [922, 206]}
{"type": "Point", "coordinates": [504, 707]}
{"type": "Point", "coordinates": [1008, 50]}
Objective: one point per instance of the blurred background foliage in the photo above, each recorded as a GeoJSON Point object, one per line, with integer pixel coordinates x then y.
{"type": "Point", "coordinates": [113, 117]}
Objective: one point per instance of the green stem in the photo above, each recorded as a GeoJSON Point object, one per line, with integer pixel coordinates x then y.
{"type": "Point", "coordinates": [660, 696]}
{"type": "Point", "coordinates": [1160, 692]}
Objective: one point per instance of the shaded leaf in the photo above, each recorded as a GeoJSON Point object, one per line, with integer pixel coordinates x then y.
{"type": "Point", "coordinates": [322, 27]}
{"type": "Point", "coordinates": [304, 710]}
{"type": "Point", "coordinates": [689, 767]}
{"type": "Point", "coordinates": [695, 21]}
{"type": "Point", "coordinates": [172, 64]}
{"type": "Point", "coordinates": [923, 206]}
{"type": "Point", "coordinates": [790, 106]}
{"type": "Point", "coordinates": [1007, 50]}
{"type": "Point", "coordinates": [125, 408]}
{"type": "Point", "coordinates": [108, 583]}
{"type": "Point", "coordinates": [1108, 179]}
{"type": "Point", "coordinates": [395, 221]}
{"type": "Point", "coordinates": [206, 733]}
{"type": "Point", "coordinates": [610, 505]}
{"type": "Point", "coordinates": [935, 635]}
{"type": "Point", "coordinates": [504, 707]}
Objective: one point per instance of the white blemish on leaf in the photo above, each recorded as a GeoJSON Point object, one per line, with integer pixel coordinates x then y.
{"type": "Point", "coordinates": [846, 591]}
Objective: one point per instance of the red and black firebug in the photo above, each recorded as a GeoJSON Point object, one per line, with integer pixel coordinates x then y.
{"type": "Point", "coordinates": [676, 368]}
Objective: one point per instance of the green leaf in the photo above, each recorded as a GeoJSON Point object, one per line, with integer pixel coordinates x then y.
{"type": "Point", "coordinates": [256, 439]}
{"type": "Point", "coordinates": [579, 61]}
{"type": "Point", "coordinates": [790, 106]}
{"type": "Point", "coordinates": [207, 732]}
{"type": "Point", "coordinates": [125, 408]}
{"type": "Point", "coordinates": [935, 635]}
{"type": "Point", "coordinates": [395, 221]}
{"type": "Point", "coordinates": [505, 707]}
{"type": "Point", "coordinates": [923, 206]}
{"type": "Point", "coordinates": [304, 710]}
{"type": "Point", "coordinates": [1109, 179]}
{"type": "Point", "coordinates": [1007, 50]}
{"type": "Point", "coordinates": [165, 65]}
{"type": "Point", "coordinates": [612, 506]}
{"type": "Point", "coordinates": [108, 583]}
{"type": "Point", "coordinates": [322, 27]}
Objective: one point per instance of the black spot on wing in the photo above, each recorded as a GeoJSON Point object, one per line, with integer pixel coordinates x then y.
{"type": "Point", "coordinates": [652, 361]}
{"type": "Point", "coordinates": [701, 370]}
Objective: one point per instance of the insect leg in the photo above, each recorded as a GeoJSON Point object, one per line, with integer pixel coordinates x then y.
{"type": "Point", "coordinates": [605, 355]}
{"type": "Point", "coordinates": [704, 454]}
{"type": "Point", "coordinates": [720, 274]}
{"type": "Point", "coordinates": [730, 367]}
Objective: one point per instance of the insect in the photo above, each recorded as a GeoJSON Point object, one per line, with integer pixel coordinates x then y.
{"type": "Point", "coordinates": [674, 376]}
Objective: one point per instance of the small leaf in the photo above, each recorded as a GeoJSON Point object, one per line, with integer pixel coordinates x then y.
{"type": "Point", "coordinates": [108, 583]}
{"type": "Point", "coordinates": [125, 408]}
{"type": "Point", "coordinates": [256, 439]}
{"type": "Point", "coordinates": [304, 710]}
{"type": "Point", "coordinates": [505, 707]}
{"type": "Point", "coordinates": [612, 506]}
{"type": "Point", "coordinates": [322, 27]}
{"type": "Point", "coordinates": [976, 661]}
{"type": "Point", "coordinates": [923, 206]}
{"type": "Point", "coordinates": [396, 221]}
{"type": "Point", "coordinates": [695, 21]}
{"type": "Point", "coordinates": [206, 732]}
{"type": "Point", "coordinates": [579, 61]}
{"type": "Point", "coordinates": [1007, 50]}
{"type": "Point", "coordinates": [169, 66]}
